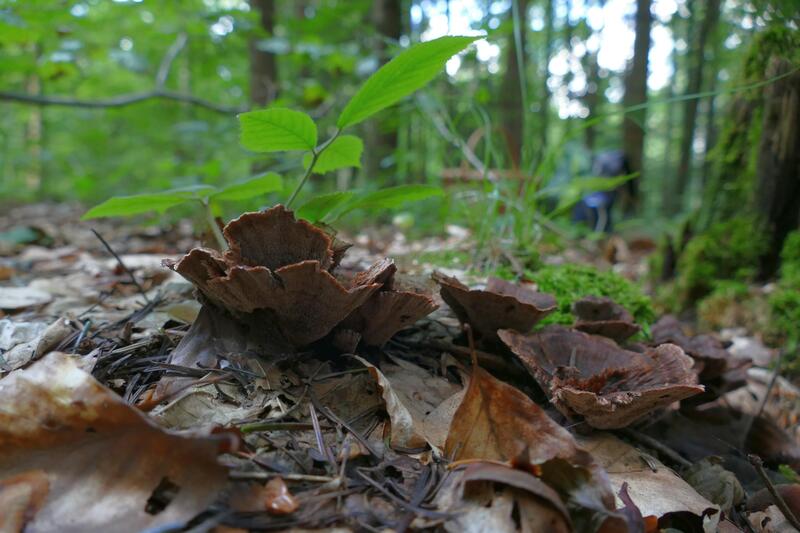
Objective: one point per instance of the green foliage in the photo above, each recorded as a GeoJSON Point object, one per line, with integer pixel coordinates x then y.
{"type": "Point", "coordinates": [569, 283]}
{"type": "Point", "coordinates": [784, 302]}
{"type": "Point", "coordinates": [277, 129]}
{"type": "Point", "coordinates": [330, 207]}
{"type": "Point", "coordinates": [571, 192]}
{"type": "Point", "coordinates": [400, 77]}
{"type": "Point", "coordinates": [205, 194]}
{"type": "Point", "coordinates": [344, 151]}
{"type": "Point", "coordinates": [728, 250]}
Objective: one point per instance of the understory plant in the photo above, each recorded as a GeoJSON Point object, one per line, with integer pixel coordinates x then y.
{"type": "Point", "coordinates": [279, 129]}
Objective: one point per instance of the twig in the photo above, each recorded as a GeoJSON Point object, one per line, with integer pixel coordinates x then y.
{"type": "Point", "coordinates": [323, 448]}
{"type": "Point", "coordinates": [257, 476]}
{"type": "Point", "coordinates": [777, 499]}
{"type": "Point", "coordinates": [169, 58]}
{"type": "Point", "coordinates": [121, 100]}
{"type": "Point", "coordinates": [124, 267]}
{"type": "Point", "coordinates": [652, 443]}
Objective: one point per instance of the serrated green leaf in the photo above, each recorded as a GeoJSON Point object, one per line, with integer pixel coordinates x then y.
{"type": "Point", "coordinates": [120, 206]}
{"type": "Point", "coordinates": [250, 188]}
{"type": "Point", "coordinates": [318, 208]}
{"type": "Point", "coordinates": [277, 129]}
{"type": "Point", "coordinates": [400, 77]}
{"type": "Point", "coordinates": [344, 151]}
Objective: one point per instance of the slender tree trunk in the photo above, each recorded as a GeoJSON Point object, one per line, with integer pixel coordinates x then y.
{"type": "Point", "coordinates": [263, 65]}
{"type": "Point", "coordinates": [633, 126]}
{"type": "Point", "coordinates": [682, 178]}
{"type": "Point", "coordinates": [544, 121]}
{"type": "Point", "coordinates": [778, 167]}
{"type": "Point", "coordinates": [511, 89]}
{"type": "Point", "coordinates": [381, 133]}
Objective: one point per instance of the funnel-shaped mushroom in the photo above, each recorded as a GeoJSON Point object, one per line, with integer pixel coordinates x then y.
{"type": "Point", "coordinates": [389, 310]}
{"type": "Point", "coordinates": [603, 316]}
{"type": "Point", "coordinates": [591, 376]}
{"type": "Point", "coordinates": [276, 270]}
{"type": "Point", "coordinates": [500, 305]}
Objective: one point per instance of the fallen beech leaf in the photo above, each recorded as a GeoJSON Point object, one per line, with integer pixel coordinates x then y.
{"type": "Point", "coordinates": [656, 491]}
{"type": "Point", "coordinates": [500, 305]}
{"type": "Point", "coordinates": [21, 497]}
{"type": "Point", "coordinates": [602, 316]}
{"type": "Point", "coordinates": [592, 377]}
{"type": "Point", "coordinates": [109, 468]}
{"type": "Point", "coordinates": [770, 520]}
{"type": "Point", "coordinates": [762, 499]}
{"type": "Point", "coordinates": [411, 394]}
{"type": "Point", "coordinates": [718, 485]}
{"type": "Point", "coordinates": [498, 422]}
{"type": "Point", "coordinates": [13, 298]}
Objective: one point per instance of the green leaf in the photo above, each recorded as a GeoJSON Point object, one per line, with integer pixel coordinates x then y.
{"type": "Point", "coordinates": [572, 193]}
{"type": "Point", "coordinates": [277, 129]}
{"type": "Point", "coordinates": [318, 207]}
{"type": "Point", "coordinates": [344, 151]}
{"type": "Point", "coordinates": [251, 188]}
{"type": "Point", "coordinates": [400, 77]}
{"type": "Point", "coordinates": [119, 206]}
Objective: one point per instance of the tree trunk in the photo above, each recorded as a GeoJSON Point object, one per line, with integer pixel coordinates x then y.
{"type": "Point", "coordinates": [511, 96]}
{"type": "Point", "coordinates": [381, 133]}
{"type": "Point", "coordinates": [544, 121]}
{"type": "Point", "coordinates": [633, 126]}
{"type": "Point", "coordinates": [682, 178]}
{"type": "Point", "coordinates": [263, 65]}
{"type": "Point", "coordinates": [778, 167]}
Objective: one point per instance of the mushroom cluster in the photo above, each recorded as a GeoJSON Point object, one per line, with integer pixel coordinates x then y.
{"type": "Point", "coordinates": [277, 274]}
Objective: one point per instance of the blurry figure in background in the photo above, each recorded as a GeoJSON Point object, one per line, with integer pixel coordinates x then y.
{"type": "Point", "coordinates": [595, 208]}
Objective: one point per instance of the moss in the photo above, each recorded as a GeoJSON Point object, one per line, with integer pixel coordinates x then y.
{"type": "Point", "coordinates": [569, 283]}
{"type": "Point", "coordinates": [728, 250]}
{"type": "Point", "coordinates": [784, 302]}
{"type": "Point", "coordinates": [732, 304]}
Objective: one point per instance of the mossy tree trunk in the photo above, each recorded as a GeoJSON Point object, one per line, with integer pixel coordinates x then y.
{"type": "Point", "coordinates": [778, 167]}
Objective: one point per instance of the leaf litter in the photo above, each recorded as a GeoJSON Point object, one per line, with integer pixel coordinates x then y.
{"type": "Point", "coordinates": [305, 390]}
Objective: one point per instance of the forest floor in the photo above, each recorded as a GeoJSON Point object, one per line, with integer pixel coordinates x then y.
{"type": "Point", "coordinates": [444, 427]}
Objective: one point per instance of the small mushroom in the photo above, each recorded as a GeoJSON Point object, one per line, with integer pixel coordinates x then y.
{"type": "Point", "coordinates": [500, 305]}
{"type": "Point", "coordinates": [590, 376]}
{"type": "Point", "coordinates": [602, 316]}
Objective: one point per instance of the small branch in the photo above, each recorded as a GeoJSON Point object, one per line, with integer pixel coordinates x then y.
{"type": "Point", "coordinates": [121, 264]}
{"type": "Point", "coordinates": [121, 100]}
{"type": "Point", "coordinates": [212, 225]}
{"type": "Point", "coordinates": [314, 157]}
{"type": "Point", "coordinates": [776, 497]}
{"type": "Point", "coordinates": [169, 58]}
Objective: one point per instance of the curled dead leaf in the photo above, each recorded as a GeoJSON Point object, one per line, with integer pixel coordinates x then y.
{"type": "Point", "coordinates": [132, 474]}
{"type": "Point", "coordinates": [500, 305]}
{"type": "Point", "coordinates": [592, 377]}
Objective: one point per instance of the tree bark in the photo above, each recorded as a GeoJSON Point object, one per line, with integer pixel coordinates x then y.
{"type": "Point", "coordinates": [778, 167]}
{"type": "Point", "coordinates": [263, 65]}
{"type": "Point", "coordinates": [381, 134]}
{"type": "Point", "coordinates": [544, 121]}
{"type": "Point", "coordinates": [511, 96]}
{"type": "Point", "coordinates": [682, 178]}
{"type": "Point", "coordinates": [633, 126]}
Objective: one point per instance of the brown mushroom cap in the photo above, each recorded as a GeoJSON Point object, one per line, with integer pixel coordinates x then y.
{"type": "Point", "coordinates": [501, 305]}
{"type": "Point", "coordinates": [591, 376]}
{"type": "Point", "coordinates": [602, 316]}
{"type": "Point", "coordinates": [277, 267]}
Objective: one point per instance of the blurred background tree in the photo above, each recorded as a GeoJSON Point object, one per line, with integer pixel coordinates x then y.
{"type": "Point", "coordinates": [104, 97]}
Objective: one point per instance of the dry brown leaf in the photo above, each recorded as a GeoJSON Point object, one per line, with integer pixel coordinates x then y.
{"type": "Point", "coordinates": [411, 396]}
{"type": "Point", "coordinates": [592, 377]}
{"type": "Point", "coordinates": [130, 473]}
{"type": "Point", "coordinates": [14, 298]}
{"type": "Point", "coordinates": [501, 305]}
{"type": "Point", "coordinates": [656, 490]}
